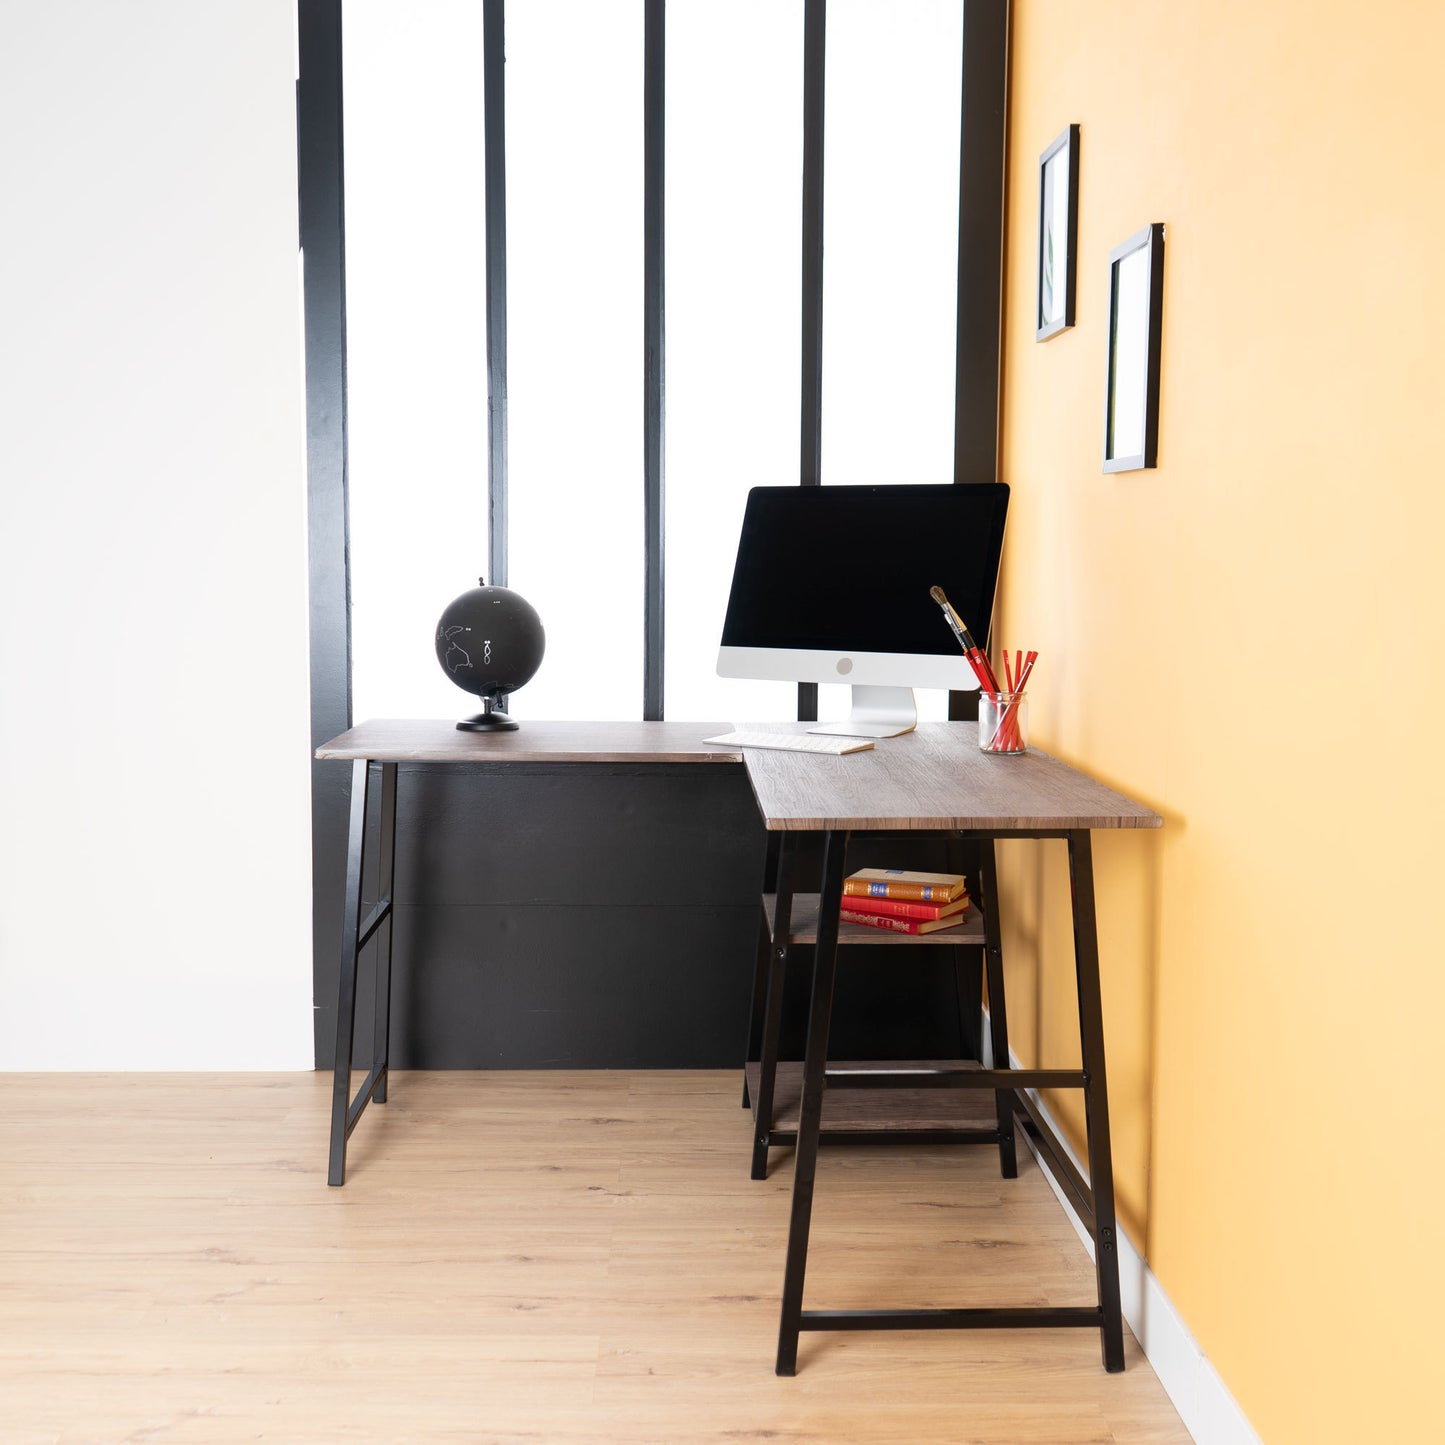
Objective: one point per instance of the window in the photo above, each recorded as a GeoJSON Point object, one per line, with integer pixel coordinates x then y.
{"type": "Point", "coordinates": [416, 364]}
{"type": "Point", "coordinates": [416, 317]}
{"type": "Point", "coordinates": [574, 339]}
{"type": "Point", "coordinates": [734, 162]}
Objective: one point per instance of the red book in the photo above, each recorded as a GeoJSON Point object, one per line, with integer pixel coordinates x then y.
{"type": "Point", "coordinates": [899, 925]}
{"type": "Point", "coordinates": [902, 908]}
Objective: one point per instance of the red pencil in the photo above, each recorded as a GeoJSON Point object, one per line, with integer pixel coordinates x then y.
{"type": "Point", "coordinates": [1006, 737]}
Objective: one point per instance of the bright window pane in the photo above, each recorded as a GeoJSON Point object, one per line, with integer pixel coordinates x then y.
{"type": "Point", "coordinates": [891, 239]}
{"type": "Point", "coordinates": [574, 279]}
{"type": "Point", "coordinates": [890, 229]}
{"type": "Point", "coordinates": [416, 319]}
{"type": "Point", "coordinates": [734, 198]}
{"type": "Point", "coordinates": [416, 251]}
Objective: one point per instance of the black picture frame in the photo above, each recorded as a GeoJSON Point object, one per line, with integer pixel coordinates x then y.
{"type": "Point", "coordinates": [1058, 230]}
{"type": "Point", "coordinates": [1131, 401]}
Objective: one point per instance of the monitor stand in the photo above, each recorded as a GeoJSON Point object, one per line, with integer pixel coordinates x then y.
{"type": "Point", "coordinates": [878, 712]}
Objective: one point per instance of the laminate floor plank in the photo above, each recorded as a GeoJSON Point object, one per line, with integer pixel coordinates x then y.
{"type": "Point", "coordinates": [563, 1258]}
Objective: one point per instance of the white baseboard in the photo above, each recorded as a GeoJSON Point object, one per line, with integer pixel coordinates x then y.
{"type": "Point", "coordinates": [1208, 1410]}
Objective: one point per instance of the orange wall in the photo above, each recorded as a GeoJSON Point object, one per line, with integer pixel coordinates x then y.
{"type": "Point", "coordinates": [1249, 638]}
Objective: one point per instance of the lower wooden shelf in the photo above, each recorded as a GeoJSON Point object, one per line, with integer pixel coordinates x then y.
{"type": "Point", "coordinates": [881, 1111]}
{"type": "Point", "coordinates": [803, 926]}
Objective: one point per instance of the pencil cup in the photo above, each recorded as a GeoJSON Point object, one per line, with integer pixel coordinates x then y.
{"type": "Point", "coordinates": [1003, 722]}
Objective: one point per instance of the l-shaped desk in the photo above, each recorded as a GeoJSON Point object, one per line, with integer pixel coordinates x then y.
{"type": "Point", "coordinates": [935, 781]}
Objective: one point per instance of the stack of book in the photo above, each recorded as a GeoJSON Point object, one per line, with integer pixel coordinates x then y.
{"type": "Point", "coordinates": [904, 902]}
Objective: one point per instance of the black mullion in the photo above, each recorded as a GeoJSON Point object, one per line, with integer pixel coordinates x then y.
{"type": "Point", "coordinates": [321, 203]}
{"type": "Point", "coordinates": [981, 161]}
{"type": "Point", "coordinates": [980, 239]}
{"type": "Point", "coordinates": [654, 113]}
{"type": "Point", "coordinates": [494, 163]}
{"type": "Point", "coordinates": [810, 461]}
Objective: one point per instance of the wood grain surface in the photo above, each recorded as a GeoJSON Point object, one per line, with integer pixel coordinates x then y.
{"type": "Point", "coordinates": [933, 779]}
{"type": "Point", "coordinates": [413, 740]}
{"type": "Point", "coordinates": [549, 1258]}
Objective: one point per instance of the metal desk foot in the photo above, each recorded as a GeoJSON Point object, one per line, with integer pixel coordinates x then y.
{"type": "Point", "coordinates": [356, 933]}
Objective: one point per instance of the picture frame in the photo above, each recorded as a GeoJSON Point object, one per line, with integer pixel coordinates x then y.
{"type": "Point", "coordinates": [1058, 235]}
{"type": "Point", "coordinates": [1131, 403]}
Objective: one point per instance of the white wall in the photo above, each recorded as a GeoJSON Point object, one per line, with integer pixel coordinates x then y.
{"type": "Point", "coordinates": [154, 814]}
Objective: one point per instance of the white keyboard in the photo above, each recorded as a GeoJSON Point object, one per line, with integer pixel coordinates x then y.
{"type": "Point", "coordinates": [793, 742]}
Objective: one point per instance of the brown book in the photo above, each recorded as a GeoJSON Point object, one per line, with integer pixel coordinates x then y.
{"type": "Point", "coordinates": [902, 908]}
{"type": "Point", "coordinates": [900, 883]}
{"type": "Point", "coordinates": [899, 925]}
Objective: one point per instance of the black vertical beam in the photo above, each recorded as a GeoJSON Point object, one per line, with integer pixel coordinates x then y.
{"type": "Point", "coordinates": [810, 461]}
{"type": "Point", "coordinates": [321, 203]}
{"type": "Point", "coordinates": [980, 239]}
{"type": "Point", "coordinates": [494, 165]}
{"type": "Point", "coordinates": [981, 172]}
{"type": "Point", "coordinates": [654, 116]}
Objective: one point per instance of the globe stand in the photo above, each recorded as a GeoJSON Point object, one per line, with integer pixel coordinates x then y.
{"type": "Point", "coordinates": [491, 719]}
{"type": "Point", "coordinates": [490, 641]}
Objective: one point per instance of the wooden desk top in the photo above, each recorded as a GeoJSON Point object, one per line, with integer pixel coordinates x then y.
{"type": "Point", "coordinates": [932, 779]}
{"type": "Point", "coordinates": [408, 740]}
{"type": "Point", "coordinates": [929, 780]}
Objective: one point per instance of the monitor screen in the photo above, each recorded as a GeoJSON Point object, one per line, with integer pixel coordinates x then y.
{"type": "Point", "coordinates": [834, 570]}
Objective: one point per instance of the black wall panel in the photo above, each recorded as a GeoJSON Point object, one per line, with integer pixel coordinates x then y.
{"type": "Point", "coordinates": [572, 986]}
{"type": "Point", "coordinates": [592, 916]}
{"type": "Point", "coordinates": [575, 833]}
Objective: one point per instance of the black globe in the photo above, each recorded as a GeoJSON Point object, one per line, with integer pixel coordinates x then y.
{"type": "Point", "coordinates": [490, 641]}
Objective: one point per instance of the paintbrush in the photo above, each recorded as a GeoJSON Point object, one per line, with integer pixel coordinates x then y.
{"type": "Point", "coordinates": [971, 650]}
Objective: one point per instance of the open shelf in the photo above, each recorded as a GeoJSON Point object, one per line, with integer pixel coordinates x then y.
{"type": "Point", "coordinates": [879, 1111]}
{"type": "Point", "coordinates": [804, 926]}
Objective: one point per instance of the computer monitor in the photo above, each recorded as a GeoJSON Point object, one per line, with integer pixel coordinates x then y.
{"type": "Point", "coordinates": [832, 584]}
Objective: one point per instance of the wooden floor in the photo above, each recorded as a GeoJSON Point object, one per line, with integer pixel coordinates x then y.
{"type": "Point", "coordinates": [542, 1257]}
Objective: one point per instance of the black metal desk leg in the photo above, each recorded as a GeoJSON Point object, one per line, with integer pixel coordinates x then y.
{"type": "Point", "coordinates": [810, 1115]}
{"type": "Point", "coordinates": [1096, 1097]}
{"type": "Point", "coordinates": [346, 983]}
{"type": "Point", "coordinates": [997, 1013]}
{"type": "Point", "coordinates": [773, 1009]}
{"type": "Point", "coordinates": [762, 965]}
{"type": "Point", "coordinates": [968, 960]}
{"type": "Point", "coordinates": [755, 1008]}
{"type": "Point", "coordinates": [385, 877]}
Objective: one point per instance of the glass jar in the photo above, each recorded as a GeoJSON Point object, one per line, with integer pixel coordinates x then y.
{"type": "Point", "coordinates": [1003, 722]}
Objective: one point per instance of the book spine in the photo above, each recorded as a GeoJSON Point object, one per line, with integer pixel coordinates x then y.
{"type": "Point", "coordinates": [914, 892]}
{"type": "Point", "coordinates": [901, 909]}
{"type": "Point", "coordinates": [880, 920]}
